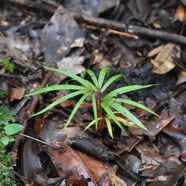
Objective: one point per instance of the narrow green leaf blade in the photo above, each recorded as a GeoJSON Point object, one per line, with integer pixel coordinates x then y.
{"type": "Point", "coordinates": [134, 103]}
{"type": "Point", "coordinates": [56, 87]}
{"type": "Point", "coordinates": [93, 77]}
{"type": "Point", "coordinates": [76, 107]}
{"type": "Point", "coordinates": [126, 89]}
{"type": "Point", "coordinates": [71, 95]}
{"type": "Point", "coordinates": [125, 122]}
{"type": "Point", "coordinates": [111, 80]}
{"type": "Point", "coordinates": [104, 71]}
{"type": "Point", "coordinates": [92, 122]}
{"type": "Point", "coordinates": [94, 105]}
{"type": "Point", "coordinates": [74, 77]}
{"type": "Point", "coordinates": [110, 113]}
{"type": "Point", "coordinates": [109, 127]}
{"type": "Point", "coordinates": [127, 114]}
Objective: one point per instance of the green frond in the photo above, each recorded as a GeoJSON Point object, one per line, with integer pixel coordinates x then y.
{"type": "Point", "coordinates": [84, 82]}
{"type": "Point", "coordinates": [93, 122]}
{"type": "Point", "coordinates": [71, 95]}
{"type": "Point", "coordinates": [111, 80]}
{"type": "Point", "coordinates": [81, 100]}
{"type": "Point", "coordinates": [125, 89]}
{"type": "Point", "coordinates": [127, 114]}
{"type": "Point", "coordinates": [93, 77]}
{"type": "Point", "coordinates": [125, 122]}
{"type": "Point", "coordinates": [110, 113]}
{"type": "Point", "coordinates": [134, 103]}
{"type": "Point", "coordinates": [56, 87]}
{"type": "Point", "coordinates": [104, 71]}
{"type": "Point", "coordinates": [109, 127]}
{"type": "Point", "coordinates": [94, 105]}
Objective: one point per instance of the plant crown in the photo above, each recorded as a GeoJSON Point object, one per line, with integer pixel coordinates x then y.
{"type": "Point", "coordinates": [106, 108]}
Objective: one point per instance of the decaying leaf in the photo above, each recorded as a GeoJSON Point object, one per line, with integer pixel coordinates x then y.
{"type": "Point", "coordinates": [69, 162]}
{"type": "Point", "coordinates": [60, 35]}
{"type": "Point", "coordinates": [180, 13]}
{"type": "Point", "coordinates": [16, 93]}
{"type": "Point", "coordinates": [115, 179]}
{"type": "Point", "coordinates": [163, 62]}
{"type": "Point", "coordinates": [72, 64]}
{"type": "Point", "coordinates": [181, 77]}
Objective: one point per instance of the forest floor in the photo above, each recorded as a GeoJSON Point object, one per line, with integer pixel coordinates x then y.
{"type": "Point", "coordinates": [142, 40]}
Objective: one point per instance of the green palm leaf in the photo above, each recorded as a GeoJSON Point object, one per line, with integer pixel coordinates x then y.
{"type": "Point", "coordinates": [94, 105]}
{"type": "Point", "coordinates": [124, 121]}
{"type": "Point", "coordinates": [93, 122]}
{"type": "Point", "coordinates": [109, 127]}
{"type": "Point", "coordinates": [102, 74]}
{"type": "Point", "coordinates": [127, 114]}
{"type": "Point", "coordinates": [93, 77]}
{"type": "Point", "coordinates": [134, 103]}
{"type": "Point", "coordinates": [84, 82]}
{"type": "Point", "coordinates": [81, 100]}
{"type": "Point", "coordinates": [126, 89]}
{"type": "Point", "coordinates": [110, 113]}
{"type": "Point", "coordinates": [56, 87]}
{"type": "Point", "coordinates": [71, 95]}
{"type": "Point", "coordinates": [111, 80]}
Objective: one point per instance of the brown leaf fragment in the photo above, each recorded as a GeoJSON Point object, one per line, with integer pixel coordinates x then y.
{"type": "Point", "coordinates": [181, 77]}
{"type": "Point", "coordinates": [16, 93]}
{"type": "Point", "coordinates": [180, 13]}
{"type": "Point", "coordinates": [69, 161]}
{"type": "Point", "coordinates": [176, 176]}
{"type": "Point", "coordinates": [155, 51]}
{"type": "Point", "coordinates": [115, 179]}
{"type": "Point", "coordinates": [97, 169]}
{"type": "Point", "coordinates": [163, 62]}
{"type": "Point", "coordinates": [153, 128]}
{"type": "Point", "coordinates": [180, 139]}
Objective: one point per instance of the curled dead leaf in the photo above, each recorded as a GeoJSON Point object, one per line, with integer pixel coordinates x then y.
{"type": "Point", "coordinates": [163, 62]}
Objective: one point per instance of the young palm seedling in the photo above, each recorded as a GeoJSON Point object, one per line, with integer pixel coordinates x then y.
{"type": "Point", "coordinates": [107, 107]}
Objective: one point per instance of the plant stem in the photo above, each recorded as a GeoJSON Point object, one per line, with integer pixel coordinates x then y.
{"type": "Point", "coordinates": [100, 111]}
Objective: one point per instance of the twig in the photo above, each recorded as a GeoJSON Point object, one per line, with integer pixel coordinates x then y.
{"type": "Point", "coordinates": [132, 29]}
{"type": "Point", "coordinates": [157, 34]}
{"type": "Point", "coordinates": [41, 141]}
{"type": "Point", "coordinates": [99, 22]}
{"type": "Point", "coordinates": [114, 26]}
{"type": "Point", "coordinates": [31, 4]}
{"type": "Point", "coordinates": [112, 31]}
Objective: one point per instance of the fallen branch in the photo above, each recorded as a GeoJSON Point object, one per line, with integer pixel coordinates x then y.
{"type": "Point", "coordinates": [131, 29]}
{"type": "Point", "coordinates": [174, 38]}
{"type": "Point", "coordinates": [114, 26]}
{"type": "Point", "coordinates": [46, 6]}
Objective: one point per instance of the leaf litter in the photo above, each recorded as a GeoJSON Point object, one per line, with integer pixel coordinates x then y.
{"type": "Point", "coordinates": [63, 39]}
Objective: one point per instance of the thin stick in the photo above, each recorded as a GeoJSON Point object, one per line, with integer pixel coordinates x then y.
{"type": "Point", "coordinates": [157, 34]}
{"type": "Point", "coordinates": [30, 137]}
{"type": "Point", "coordinates": [132, 29]}
{"type": "Point", "coordinates": [112, 31]}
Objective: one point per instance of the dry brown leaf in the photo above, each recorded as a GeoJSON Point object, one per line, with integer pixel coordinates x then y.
{"type": "Point", "coordinates": [155, 51]}
{"type": "Point", "coordinates": [181, 77]}
{"type": "Point", "coordinates": [97, 172]}
{"type": "Point", "coordinates": [69, 161]}
{"type": "Point", "coordinates": [116, 181]}
{"type": "Point", "coordinates": [72, 64]}
{"type": "Point", "coordinates": [163, 62]}
{"type": "Point", "coordinates": [16, 93]}
{"type": "Point", "coordinates": [180, 13]}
